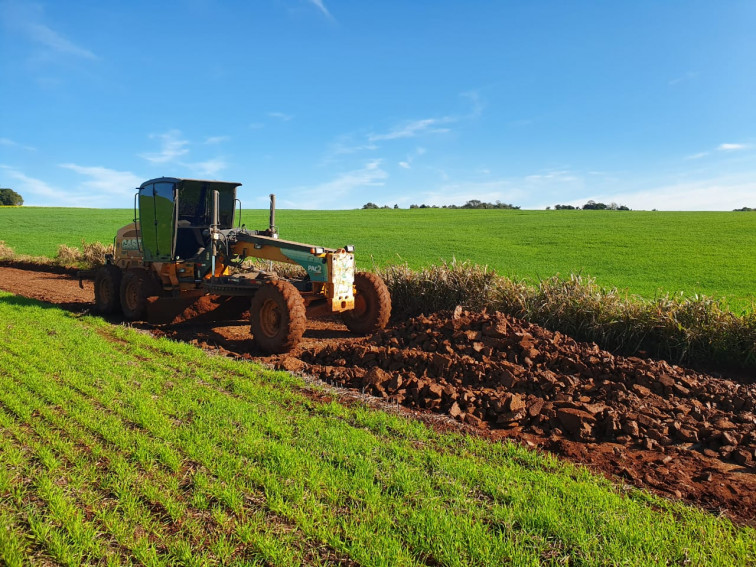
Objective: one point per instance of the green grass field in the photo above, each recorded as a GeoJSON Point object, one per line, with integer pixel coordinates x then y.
{"type": "Point", "coordinates": [118, 448]}
{"type": "Point", "coordinates": [646, 253]}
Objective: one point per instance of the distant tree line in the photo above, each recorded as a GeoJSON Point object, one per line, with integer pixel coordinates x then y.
{"type": "Point", "coordinates": [592, 206]}
{"type": "Point", "coordinates": [476, 204]}
{"type": "Point", "coordinates": [471, 204]}
{"type": "Point", "coordinates": [9, 198]}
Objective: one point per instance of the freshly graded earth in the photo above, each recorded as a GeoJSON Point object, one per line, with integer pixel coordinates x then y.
{"type": "Point", "coordinates": [646, 423]}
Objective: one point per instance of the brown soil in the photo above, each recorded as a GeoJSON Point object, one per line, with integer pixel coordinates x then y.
{"type": "Point", "coordinates": [679, 433]}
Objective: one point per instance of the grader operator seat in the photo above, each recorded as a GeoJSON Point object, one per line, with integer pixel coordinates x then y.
{"type": "Point", "coordinates": [190, 241]}
{"type": "Point", "coordinates": [176, 215]}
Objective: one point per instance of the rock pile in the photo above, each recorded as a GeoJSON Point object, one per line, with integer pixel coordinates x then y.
{"type": "Point", "coordinates": [492, 370]}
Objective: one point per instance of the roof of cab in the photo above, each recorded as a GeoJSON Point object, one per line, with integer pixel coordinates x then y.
{"type": "Point", "coordinates": [180, 179]}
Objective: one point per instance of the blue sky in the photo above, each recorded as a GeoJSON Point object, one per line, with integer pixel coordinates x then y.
{"type": "Point", "coordinates": [331, 104]}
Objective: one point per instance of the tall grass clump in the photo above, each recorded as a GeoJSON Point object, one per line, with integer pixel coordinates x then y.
{"type": "Point", "coordinates": [681, 329]}
{"type": "Point", "coordinates": [6, 252]}
{"type": "Point", "coordinates": [94, 252]}
{"type": "Point", "coordinates": [688, 330]}
{"type": "Point", "coordinates": [440, 287]}
{"type": "Point", "coordinates": [68, 255]}
{"type": "Point", "coordinates": [89, 255]}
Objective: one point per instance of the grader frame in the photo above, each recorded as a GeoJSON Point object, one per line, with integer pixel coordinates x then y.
{"type": "Point", "coordinates": [183, 243]}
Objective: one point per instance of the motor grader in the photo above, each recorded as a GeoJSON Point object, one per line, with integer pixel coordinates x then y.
{"type": "Point", "coordinates": [183, 243]}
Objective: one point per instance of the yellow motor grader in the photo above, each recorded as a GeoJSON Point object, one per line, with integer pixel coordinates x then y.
{"type": "Point", "coordinates": [183, 243]}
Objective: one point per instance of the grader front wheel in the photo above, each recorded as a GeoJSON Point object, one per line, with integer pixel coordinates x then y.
{"type": "Point", "coordinates": [277, 316]}
{"type": "Point", "coordinates": [134, 295]}
{"type": "Point", "coordinates": [372, 305]}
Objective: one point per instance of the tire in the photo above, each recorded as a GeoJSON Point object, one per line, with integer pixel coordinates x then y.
{"type": "Point", "coordinates": [277, 317]}
{"type": "Point", "coordinates": [134, 295]}
{"type": "Point", "coordinates": [372, 305]}
{"type": "Point", "coordinates": [107, 289]}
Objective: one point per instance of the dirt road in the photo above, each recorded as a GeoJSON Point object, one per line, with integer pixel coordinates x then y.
{"type": "Point", "coordinates": [649, 424]}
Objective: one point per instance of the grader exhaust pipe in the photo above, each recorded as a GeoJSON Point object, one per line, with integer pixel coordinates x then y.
{"type": "Point", "coordinates": [272, 228]}
{"type": "Point", "coordinates": [214, 234]}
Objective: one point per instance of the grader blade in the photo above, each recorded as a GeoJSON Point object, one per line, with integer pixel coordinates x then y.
{"type": "Point", "coordinates": [202, 309]}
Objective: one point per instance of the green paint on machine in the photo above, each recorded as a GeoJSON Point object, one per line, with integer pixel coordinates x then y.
{"type": "Point", "coordinates": [315, 266]}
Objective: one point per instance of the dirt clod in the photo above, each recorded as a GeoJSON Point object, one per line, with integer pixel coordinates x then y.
{"type": "Point", "coordinates": [528, 382]}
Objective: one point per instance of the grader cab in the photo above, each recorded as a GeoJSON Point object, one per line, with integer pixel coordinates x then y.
{"type": "Point", "coordinates": [184, 243]}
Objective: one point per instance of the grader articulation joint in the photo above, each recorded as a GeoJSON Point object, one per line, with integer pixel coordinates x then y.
{"type": "Point", "coordinates": [183, 243]}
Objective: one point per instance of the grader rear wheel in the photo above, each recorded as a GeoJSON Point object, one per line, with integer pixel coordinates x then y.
{"type": "Point", "coordinates": [134, 286]}
{"type": "Point", "coordinates": [372, 305]}
{"type": "Point", "coordinates": [107, 288]}
{"type": "Point", "coordinates": [277, 316]}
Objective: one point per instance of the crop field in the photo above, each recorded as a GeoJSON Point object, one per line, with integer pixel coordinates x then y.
{"type": "Point", "coordinates": [118, 448]}
{"type": "Point", "coordinates": [646, 253]}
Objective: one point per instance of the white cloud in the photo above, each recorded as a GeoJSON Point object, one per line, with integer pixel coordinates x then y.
{"type": "Point", "coordinates": [425, 126]}
{"type": "Point", "coordinates": [334, 194]}
{"type": "Point", "coordinates": [560, 185]}
{"type": "Point", "coordinates": [731, 147]}
{"type": "Point", "coordinates": [413, 129]}
{"type": "Point", "coordinates": [103, 188]}
{"type": "Point", "coordinates": [459, 193]}
{"type": "Point", "coordinates": [172, 147]}
{"type": "Point", "coordinates": [716, 194]}
{"type": "Point", "coordinates": [281, 116]}
{"type": "Point", "coordinates": [216, 140]}
{"type": "Point", "coordinates": [34, 191]}
{"type": "Point", "coordinates": [689, 76]}
{"type": "Point", "coordinates": [563, 176]}
{"type": "Point", "coordinates": [209, 167]}
{"type": "Point", "coordinates": [475, 102]}
{"type": "Point", "coordinates": [405, 130]}
{"type": "Point", "coordinates": [104, 185]}
{"type": "Point", "coordinates": [345, 145]}
{"type": "Point", "coordinates": [407, 163]}
{"type": "Point", "coordinates": [11, 144]}
{"type": "Point", "coordinates": [726, 147]}
{"type": "Point", "coordinates": [699, 155]}
{"type": "Point", "coordinates": [321, 6]}
{"type": "Point", "coordinates": [55, 42]}
{"type": "Point", "coordinates": [340, 148]}
{"type": "Point", "coordinates": [28, 19]}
